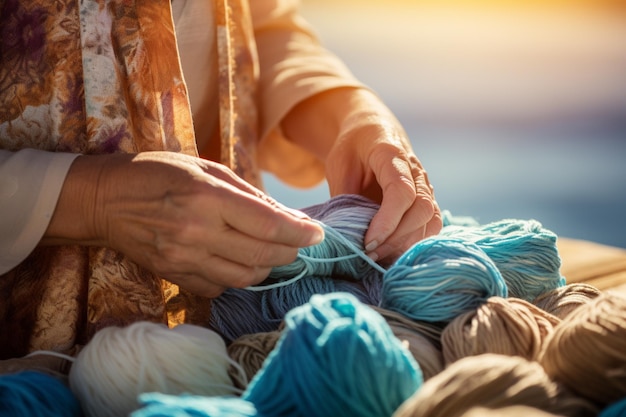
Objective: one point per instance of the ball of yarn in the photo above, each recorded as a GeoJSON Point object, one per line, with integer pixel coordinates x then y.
{"type": "Point", "coordinates": [250, 351]}
{"type": "Point", "coordinates": [523, 250]}
{"type": "Point", "coordinates": [492, 381]}
{"type": "Point", "coordinates": [587, 351]}
{"type": "Point", "coordinates": [560, 302]}
{"type": "Point", "coordinates": [336, 356]}
{"type": "Point", "coordinates": [162, 405]}
{"type": "Point", "coordinates": [30, 393]}
{"type": "Point", "coordinates": [617, 409]}
{"type": "Point", "coordinates": [346, 218]}
{"type": "Point", "coordinates": [238, 312]}
{"type": "Point", "coordinates": [508, 326]}
{"type": "Point", "coordinates": [421, 338]}
{"type": "Point", "coordinates": [510, 411]}
{"type": "Point", "coordinates": [277, 302]}
{"type": "Point", "coordinates": [119, 363]}
{"type": "Point", "coordinates": [439, 278]}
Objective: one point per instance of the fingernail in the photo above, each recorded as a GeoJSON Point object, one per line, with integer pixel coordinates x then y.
{"type": "Point", "coordinates": [318, 237]}
{"type": "Point", "coordinates": [373, 256]}
{"type": "Point", "coordinates": [371, 246]}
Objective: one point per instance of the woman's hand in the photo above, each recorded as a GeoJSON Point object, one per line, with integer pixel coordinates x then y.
{"type": "Point", "coordinates": [367, 152]}
{"type": "Point", "coordinates": [191, 221]}
{"type": "Point", "coordinates": [373, 158]}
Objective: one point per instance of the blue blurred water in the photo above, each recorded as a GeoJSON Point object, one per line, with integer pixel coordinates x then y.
{"type": "Point", "coordinates": [573, 183]}
{"type": "Point", "coordinates": [513, 115]}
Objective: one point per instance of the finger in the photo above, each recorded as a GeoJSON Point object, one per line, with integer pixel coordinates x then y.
{"type": "Point", "coordinates": [216, 275]}
{"type": "Point", "coordinates": [245, 250]}
{"type": "Point", "coordinates": [266, 222]}
{"type": "Point", "coordinates": [399, 192]}
{"type": "Point", "coordinates": [421, 220]}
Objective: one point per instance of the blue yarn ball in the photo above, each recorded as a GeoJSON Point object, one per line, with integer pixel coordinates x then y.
{"type": "Point", "coordinates": [523, 250]}
{"type": "Point", "coordinates": [31, 393]}
{"type": "Point", "coordinates": [346, 219]}
{"type": "Point", "coordinates": [336, 356]}
{"type": "Point", "coordinates": [440, 278]}
{"type": "Point", "coordinates": [238, 312]}
{"type": "Point", "coordinates": [163, 405]}
{"type": "Point", "coordinates": [616, 409]}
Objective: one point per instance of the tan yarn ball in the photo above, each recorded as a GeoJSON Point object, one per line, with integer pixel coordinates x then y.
{"type": "Point", "coordinates": [492, 381]}
{"type": "Point", "coordinates": [561, 301]}
{"type": "Point", "coordinates": [508, 326]}
{"type": "Point", "coordinates": [511, 411]}
{"type": "Point", "coordinates": [587, 351]}
{"type": "Point", "coordinates": [250, 351]}
{"type": "Point", "coordinates": [422, 340]}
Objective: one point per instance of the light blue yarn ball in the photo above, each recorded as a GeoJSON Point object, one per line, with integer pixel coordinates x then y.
{"type": "Point", "coordinates": [336, 357]}
{"type": "Point", "coordinates": [616, 409]}
{"type": "Point", "coordinates": [523, 250]}
{"type": "Point", "coordinates": [163, 405]}
{"type": "Point", "coordinates": [31, 393]}
{"type": "Point", "coordinates": [440, 278]}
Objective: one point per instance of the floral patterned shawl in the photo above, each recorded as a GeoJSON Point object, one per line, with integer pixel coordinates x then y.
{"type": "Point", "coordinates": [103, 76]}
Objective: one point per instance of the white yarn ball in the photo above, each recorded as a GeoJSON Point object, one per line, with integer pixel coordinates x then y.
{"type": "Point", "coordinates": [120, 363]}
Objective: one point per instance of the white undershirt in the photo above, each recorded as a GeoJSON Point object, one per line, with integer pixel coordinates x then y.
{"type": "Point", "coordinates": [194, 22]}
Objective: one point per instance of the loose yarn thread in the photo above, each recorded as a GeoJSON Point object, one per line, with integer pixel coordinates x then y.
{"type": "Point", "coordinates": [439, 278]}
{"type": "Point", "coordinates": [31, 393]}
{"type": "Point", "coordinates": [523, 250]}
{"type": "Point", "coordinates": [598, 331]}
{"type": "Point", "coordinates": [493, 381]}
{"type": "Point", "coordinates": [120, 363]}
{"type": "Point", "coordinates": [507, 326]}
{"type": "Point", "coordinates": [329, 346]}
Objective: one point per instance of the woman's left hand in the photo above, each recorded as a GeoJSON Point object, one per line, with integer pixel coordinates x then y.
{"type": "Point", "coordinates": [373, 157]}
{"type": "Point", "coordinates": [367, 152]}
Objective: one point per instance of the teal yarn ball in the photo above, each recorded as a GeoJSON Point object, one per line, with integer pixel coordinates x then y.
{"type": "Point", "coordinates": [336, 356]}
{"type": "Point", "coordinates": [163, 405]}
{"type": "Point", "coordinates": [523, 250]}
{"type": "Point", "coordinates": [616, 409]}
{"type": "Point", "coordinates": [345, 219]}
{"type": "Point", "coordinates": [440, 278]}
{"type": "Point", "coordinates": [31, 393]}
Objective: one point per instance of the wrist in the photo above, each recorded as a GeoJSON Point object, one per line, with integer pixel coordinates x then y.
{"type": "Point", "coordinates": [77, 215]}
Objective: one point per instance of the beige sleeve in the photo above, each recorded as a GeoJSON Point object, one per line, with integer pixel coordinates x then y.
{"type": "Point", "coordinates": [30, 184]}
{"type": "Point", "coordinates": [293, 66]}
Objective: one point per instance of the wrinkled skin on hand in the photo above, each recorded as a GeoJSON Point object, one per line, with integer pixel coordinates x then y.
{"type": "Point", "coordinates": [375, 159]}
{"type": "Point", "coordinates": [191, 221]}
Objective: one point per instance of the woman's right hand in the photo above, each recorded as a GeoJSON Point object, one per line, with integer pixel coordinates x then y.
{"type": "Point", "coordinates": [189, 220]}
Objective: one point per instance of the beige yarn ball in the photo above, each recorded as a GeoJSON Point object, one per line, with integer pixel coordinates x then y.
{"type": "Point", "coordinates": [587, 351]}
{"type": "Point", "coordinates": [508, 326]}
{"type": "Point", "coordinates": [492, 381]}
{"type": "Point", "coordinates": [561, 301]}
{"type": "Point", "coordinates": [422, 339]}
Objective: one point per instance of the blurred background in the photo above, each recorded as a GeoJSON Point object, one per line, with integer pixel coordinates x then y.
{"type": "Point", "coordinates": [517, 109]}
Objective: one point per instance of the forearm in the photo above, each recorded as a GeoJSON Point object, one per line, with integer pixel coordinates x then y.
{"type": "Point", "coordinates": [73, 221]}
{"type": "Point", "coordinates": [319, 121]}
